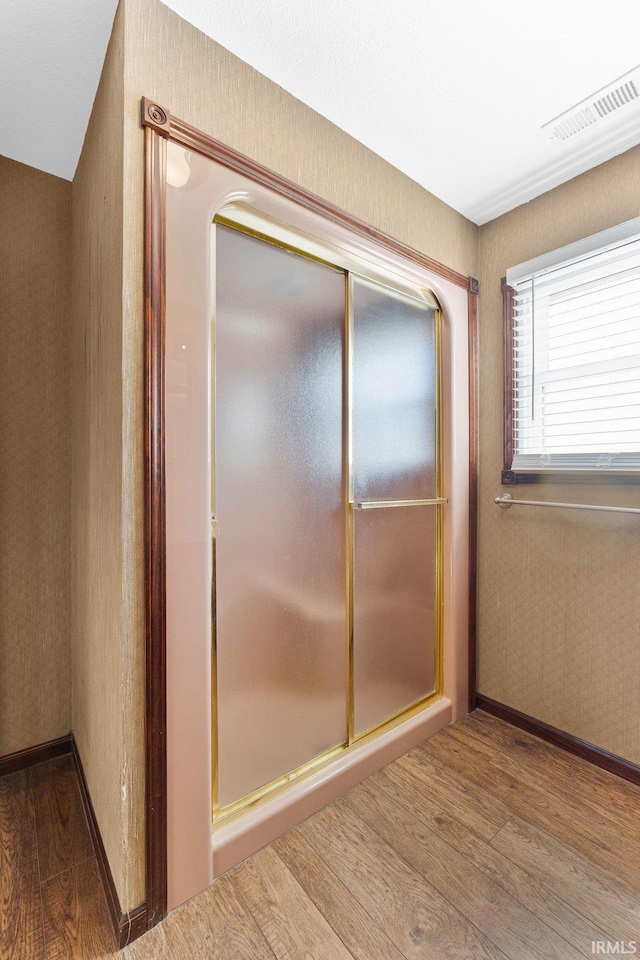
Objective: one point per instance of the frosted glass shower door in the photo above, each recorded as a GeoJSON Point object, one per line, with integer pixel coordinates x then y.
{"type": "Point", "coordinates": [280, 605]}
{"type": "Point", "coordinates": [395, 470]}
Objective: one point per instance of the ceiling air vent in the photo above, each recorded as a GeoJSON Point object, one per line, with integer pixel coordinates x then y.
{"type": "Point", "coordinates": [595, 108]}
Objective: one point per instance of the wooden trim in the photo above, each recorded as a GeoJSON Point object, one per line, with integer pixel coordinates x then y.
{"type": "Point", "coordinates": [188, 136]}
{"type": "Point", "coordinates": [126, 926]}
{"type": "Point", "coordinates": [155, 117]}
{"type": "Point", "coordinates": [507, 322]}
{"type": "Point", "coordinates": [566, 741]}
{"type": "Point", "coordinates": [30, 757]}
{"type": "Point", "coordinates": [473, 486]}
{"type": "Point", "coordinates": [509, 479]}
{"type": "Point", "coordinates": [155, 534]}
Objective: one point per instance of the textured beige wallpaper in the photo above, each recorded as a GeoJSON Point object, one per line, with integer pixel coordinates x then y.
{"type": "Point", "coordinates": [35, 448]}
{"type": "Point", "coordinates": [559, 614]}
{"type": "Point", "coordinates": [106, 638]}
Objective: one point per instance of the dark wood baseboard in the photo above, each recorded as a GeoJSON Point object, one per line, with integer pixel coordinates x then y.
{"type": "Point", "coordinates": [30, 757]}
{"type": "Point", "coordinates": [581, 748]}
{"type": "Point", "coordinates": [127, 926]}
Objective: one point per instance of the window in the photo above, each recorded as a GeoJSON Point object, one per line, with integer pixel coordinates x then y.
{"type": "Point", "coordinates": [572, 356]}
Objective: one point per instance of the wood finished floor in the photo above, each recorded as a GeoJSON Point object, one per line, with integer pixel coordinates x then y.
{"type": "Point", "coordinates": [482, 843]}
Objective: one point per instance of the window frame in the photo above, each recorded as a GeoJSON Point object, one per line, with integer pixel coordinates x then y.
{"type": "Point", "coordinates": [510, 477]}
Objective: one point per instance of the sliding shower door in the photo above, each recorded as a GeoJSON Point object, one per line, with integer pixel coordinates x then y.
{"type": "Point", "coordinates": [326, 501]}
{"type": "Point", "coordinates": [395, 500]}
{"type": "Point", "coordinates": [280, 511]}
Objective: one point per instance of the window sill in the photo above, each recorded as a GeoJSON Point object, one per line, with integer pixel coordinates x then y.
{"type": "Point", "coordinates": [511, 478]}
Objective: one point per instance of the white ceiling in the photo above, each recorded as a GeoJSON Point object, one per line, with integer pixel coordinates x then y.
{"type": "Point", "coordinates": [452, 92]}
{"type": "Point", "coordinates": [51, 56]}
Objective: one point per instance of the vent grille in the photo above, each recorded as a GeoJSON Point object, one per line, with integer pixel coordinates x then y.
{"type": "Point", "coordinates": [617, 98]}
{"type": "Point", "coordinates": [597, 107]}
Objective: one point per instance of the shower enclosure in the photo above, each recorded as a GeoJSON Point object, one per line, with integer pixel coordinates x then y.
{"type": "Point", "coordinates": [313, 505]}
{"type": "Point", "coordinates": [326, 498]}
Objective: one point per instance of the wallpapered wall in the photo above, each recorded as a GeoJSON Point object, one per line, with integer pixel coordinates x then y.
{"type": "Point", "coordinates": [107, 638]}
{"type": "Point", "coordinates": [559, 614]}
{"type": "Point", "coordinates": [155, 53]}
{"type": "Point", "coordinates": [35, 450]}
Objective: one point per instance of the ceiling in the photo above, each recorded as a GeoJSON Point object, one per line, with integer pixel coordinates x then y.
{"type": "Point", "coordinates": [452, 92]}
{"type": "Point", "coordinates": [51, 56]}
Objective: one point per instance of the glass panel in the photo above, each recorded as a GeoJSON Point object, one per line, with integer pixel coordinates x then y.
{"type": "Point", "coordinates": [394, 396]}
{"type": "Point", "coordinates": [394, 610]}
{"type": "Point", "coordinates": [281, 670]}
{"type": "Point", "coordinates": [394, 458]}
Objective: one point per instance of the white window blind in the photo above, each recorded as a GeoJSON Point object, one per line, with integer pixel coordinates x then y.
{"type": "Point", "coordinates": [576, 362]}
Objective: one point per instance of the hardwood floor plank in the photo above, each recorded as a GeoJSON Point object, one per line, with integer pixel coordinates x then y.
{"type": "Point", "coordinates": [613, 801]}
{"type": "Point", "coordinates": [63, 835]}
{"type": "Point", "coordinates": [21, 921]}
{"type": "Point", "coordinates": [503, 733]}
{"type": "Point", "coordinates": [412, 913]}
{"type": "Point", "coordinates": [502, 918]}
{"type": "Point", "coordinates": [480, 810]}
{"type": "Point", "coordinates": [577, 928]}
{"type": "Point", "coordinates": [152, 945]}
{"type": "Point", "coordinates": [612, 853]}
{"type": "Point", "coordinates": [581, 826]}
{"type": "Point", "coordinates": [217, 926]}
{"type": "Point", "coordinates": [489, 745]}
{"type": "Point", "coordinates": [77, 923]}
{"type": "Point", "coordinates": [334, 900]}
{"type": "Point", "coordinates": [613, 905]}
{"type": "Point", "coordinates": [568, 793]}
{"type": "Point", "coordinates": [294, 928]}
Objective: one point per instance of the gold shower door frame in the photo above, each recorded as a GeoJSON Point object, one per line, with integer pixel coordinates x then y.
{"type": "Point", "coordinates": [255, 224]}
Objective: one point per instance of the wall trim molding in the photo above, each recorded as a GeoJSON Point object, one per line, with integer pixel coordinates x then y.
{"type": "Point", "coordinates": [566, 741]}
{"type": "Point", "coordinates": [22, 759]}
{"type": "Point", "coordinates": [611, 142]}
{"type": "Point", "coordinates": [473, 488]}
{"type": "Point", "coordinates": [161, 121]}
{"type": "Point", "coordinates": [155, 155]}
{"type": "Point", "coordinates": [126, 926]}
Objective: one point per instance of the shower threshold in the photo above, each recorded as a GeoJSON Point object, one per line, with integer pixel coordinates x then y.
{"type": "Point", "coordinates": [236, 838]}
